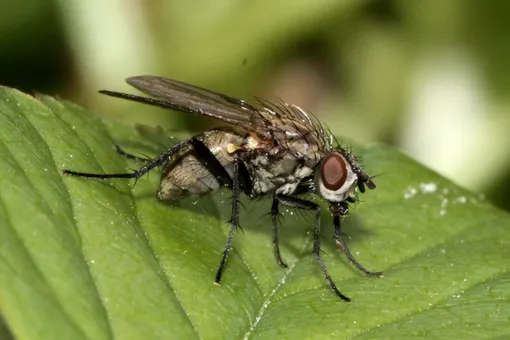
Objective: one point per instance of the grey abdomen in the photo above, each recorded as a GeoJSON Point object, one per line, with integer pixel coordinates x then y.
{"type": "Point", "coordinates": [184, 174]}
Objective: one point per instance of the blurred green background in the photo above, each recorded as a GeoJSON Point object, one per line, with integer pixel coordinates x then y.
{"type": "Point", "coordinates": [430, 77]}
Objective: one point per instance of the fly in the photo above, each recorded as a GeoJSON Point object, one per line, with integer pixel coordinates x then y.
{"type": "Point", "coordinates": [266, 149]}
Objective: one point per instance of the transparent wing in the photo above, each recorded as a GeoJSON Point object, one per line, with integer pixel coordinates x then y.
{"type": "Point", "coordinates": [180, 96]}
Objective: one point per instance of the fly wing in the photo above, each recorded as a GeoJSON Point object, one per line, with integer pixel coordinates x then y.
{"type": "Point", "coordinates": [180, 96]}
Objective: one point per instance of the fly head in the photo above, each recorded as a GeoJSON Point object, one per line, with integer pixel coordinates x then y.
{"type": "Point", "coordinates": [337, 177]}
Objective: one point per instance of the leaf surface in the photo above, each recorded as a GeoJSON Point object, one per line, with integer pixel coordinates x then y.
{"type": "Point", "coordinates": [88, 259]}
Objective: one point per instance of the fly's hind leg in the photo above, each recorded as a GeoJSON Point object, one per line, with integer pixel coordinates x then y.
{"type": "Point", "coordinates": [150, 164]}
{"type": "Point", "coordinates": [158, 161]}
{"type": "Point", "coordinates": [130, 156]}
{"type": "Point", "coordinates": [234, 219]}
{"type": "Point", "coordinates": [240, 181]}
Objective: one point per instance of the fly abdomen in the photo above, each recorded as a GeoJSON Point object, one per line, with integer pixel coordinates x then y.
{"type": "Point", "coordinates": [196, 170]}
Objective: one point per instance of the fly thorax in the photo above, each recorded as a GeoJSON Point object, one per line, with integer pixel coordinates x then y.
{"type": "Point", "coordinates": [335, 179]}
{"type": "Point", "coordinates": [303, 142]}
{"type": "Point", "coordinates": [251, 143]}
{"type": "Point", "coordinates": [293, 178]}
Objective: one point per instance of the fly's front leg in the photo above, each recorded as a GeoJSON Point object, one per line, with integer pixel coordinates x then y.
{"type": "Point", "coordinates": [299, 203]}
{"type": "Point", "coordinates": [274, 219]}
{"type": "Point", "coordinates": [234, 220]}
{"type": "Point", "coordinates": [350, 257]}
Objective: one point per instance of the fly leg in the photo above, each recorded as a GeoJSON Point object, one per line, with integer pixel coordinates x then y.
{"type": "Point", "coordinates": [158, 161]}
{"type": "Point", "coordinates": [204, 154]}
{"type": "Point", "coordinates": [234, 220]}
{"type": "Point", "coordinates": [211, 163]}
{"type": "Point", "coordinates": [299, 203]}
{"type": "Point", "coordinates": [350, 257]}
{"type": "Point", "coordinates": [130, 156]}
{"type": "Point", "coordinates": [240, 180]}
{"type": "Point", "coordinates": [274, 220]}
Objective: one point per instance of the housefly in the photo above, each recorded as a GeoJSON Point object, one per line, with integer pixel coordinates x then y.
{"type": "Point", "coordinates": [267, 149]}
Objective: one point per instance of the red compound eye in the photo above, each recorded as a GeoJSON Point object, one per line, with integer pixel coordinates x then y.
{"type": "Point", "coordinates": [333, 171]}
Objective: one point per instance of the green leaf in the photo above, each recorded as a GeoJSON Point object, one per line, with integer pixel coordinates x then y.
{"type": "Point", "coordinates": [88, 259]}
